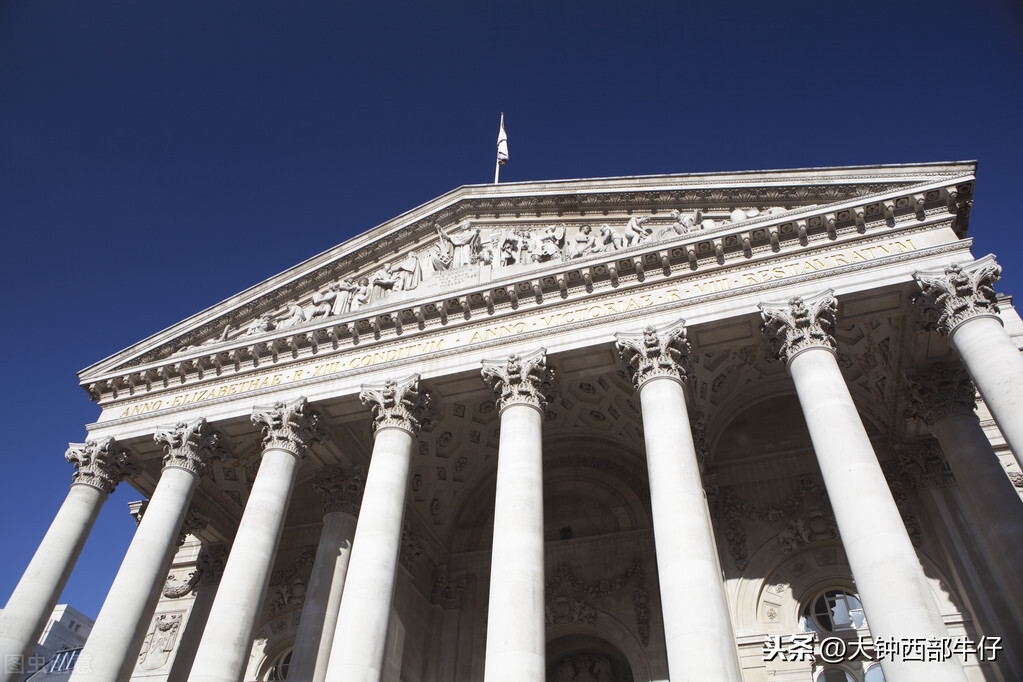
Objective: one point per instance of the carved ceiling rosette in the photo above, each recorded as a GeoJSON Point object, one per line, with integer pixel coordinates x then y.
{"type": "Point", "coordinates": [191, 446]}
{"type": "Point", "coordinates": [943, 390]}
{"type": "Point", "coordinates": [655, 352]}
{"type": "Point", "coordinates": [291, 427]}
{"type": "Point", "coordinates": [341, 489]}
{"type": "Point", "coordinates": [952, 296]}
{"type": "Point", "coordinates": [521, 379]}
{"type": "Point", "coordinates": [101, 464]}
{"type": "Point", "coordinates": [397, 404]}
{"type": "Point", "coordinates": [799, 324]}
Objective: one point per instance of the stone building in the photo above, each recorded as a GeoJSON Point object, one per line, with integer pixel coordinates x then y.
{"type": "Point", "coordinates": [757, 426]}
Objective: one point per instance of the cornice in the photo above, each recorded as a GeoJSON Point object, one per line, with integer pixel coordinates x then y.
{"type": "Point", "coordinates": [550, 199]}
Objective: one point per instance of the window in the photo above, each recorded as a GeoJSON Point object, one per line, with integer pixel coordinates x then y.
{"type": "Point", "coordinates": [833, 611]}
{"type": "Point", "coordinates": [279, 669]}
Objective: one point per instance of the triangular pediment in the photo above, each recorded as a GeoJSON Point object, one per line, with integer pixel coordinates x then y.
{"type": "Point", "coordinates": [477, 235]}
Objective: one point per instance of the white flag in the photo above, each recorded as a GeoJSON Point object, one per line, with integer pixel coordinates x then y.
{"type": "Point", "coordinates": [502, 145]}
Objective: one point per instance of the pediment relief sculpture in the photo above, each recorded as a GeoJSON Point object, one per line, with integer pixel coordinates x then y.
{"type": "Point", "coordinates": [470, 252]}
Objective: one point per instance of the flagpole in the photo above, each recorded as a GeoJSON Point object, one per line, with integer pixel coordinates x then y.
{"type": "Point", "coordinates": [497, 162]}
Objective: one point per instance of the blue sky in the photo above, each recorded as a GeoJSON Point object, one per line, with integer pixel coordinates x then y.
{"type": "Point", "coordinates": [158, 157]}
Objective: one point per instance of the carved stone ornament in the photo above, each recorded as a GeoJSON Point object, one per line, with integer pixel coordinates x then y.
{"type": "Point", "coordinates": [288, 586]}
{"type": "Point", "coordinates": [651, 353]}
{"type": "Point", "coordinates": [292, 427]}
{"type": "Point", "coordinates": [799, 324]}
{"type": "Point", "coordinates": [568, 607]}
{"type": "Point", "coordinates": [942, 391]}
{"type": "Point", "coordinates": [160, 641]}
{"type": "Point", "coordinates": [924, 464]}
{"type": "Point", "coordinates": [411, 547]}
{"type": "Point", "coordinates": [101, 464]}
{"type": "Point", "coordinates": [897, 483]}
{"type": "Point", "coordinates": [521, 379]}
{"type": "Point", "coordinates": [190, 446]}
{"type": "Point", "coordinates": [397, 404]}
{"type": "Point", "coordinates": [449, 588]}
{"type": "Point", "coordinates": [341, 490]}
{"type": "Point", "coordinates": [952, 296]}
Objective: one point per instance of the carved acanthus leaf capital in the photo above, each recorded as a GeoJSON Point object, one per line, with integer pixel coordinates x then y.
{"type": "Point", "coordinates": [341, 489]}
{"type": "Point", "coordinates": [800, 324]}
{"type": "Point", "coordinates": [942, 391]}
{"type": "Point", "coordinates": [291, 427]}
{"type": "Point", "coordinates": [521, 379]}
{"type": "Point", "coordinates": [925, 465]}
{"type": "Point", "coordinates": [397, 404]}
{"type": "Point", "coordinates": [952, 296]}
{"type": "Point", "coordinates": [101, 464]}
{"type": "Point", "coordinates": [655, 352]}
{"type": "Point", "coordinates": [191, 446]}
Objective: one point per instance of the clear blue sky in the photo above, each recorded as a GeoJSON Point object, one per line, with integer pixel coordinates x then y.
{"type": "Point", "coordinates": [158, 157]}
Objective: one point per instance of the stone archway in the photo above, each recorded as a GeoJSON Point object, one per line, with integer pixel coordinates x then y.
{"type": "Point", "coordinates": [586, 658]}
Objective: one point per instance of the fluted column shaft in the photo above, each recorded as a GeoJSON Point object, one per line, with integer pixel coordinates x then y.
{"type": "Point", "coordinates": [357, 652]}
{"type": "Point", "coordinates": [224, 650]}
{"type": "Point", "coordinates": [516, 640]}
{"type": "Point", "coordinates": [100, 466]}
{"type": "Point", "coordinates": [889, 578]}
{"type": "Point", "coordinates": [960, 303]}
{"type": "Point", "coordinates": [323, 599]}
{"type": "Point", "coordinates": [688, 568]}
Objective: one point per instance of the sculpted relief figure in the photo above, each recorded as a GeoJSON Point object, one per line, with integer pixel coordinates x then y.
{"type": "Point", "coordinates": [585, 242]}
{"type": "Point", "coordinates": [454, 251]}
{"type": "Point", "coordinates": [635, 233]}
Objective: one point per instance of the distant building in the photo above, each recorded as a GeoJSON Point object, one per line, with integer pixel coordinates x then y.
{"type": "Point", "coordinates": [724, 426]}
{"type": "Point", "coordinates": [66, 629]}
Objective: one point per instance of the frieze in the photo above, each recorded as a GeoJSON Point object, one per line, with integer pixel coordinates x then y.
{"type": "Point", "coordinates": [338, 272]}
{"type": "Point", "coordinates": [609, 304]}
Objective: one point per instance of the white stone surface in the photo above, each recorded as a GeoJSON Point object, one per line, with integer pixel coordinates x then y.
{"type": "Point", "coordinates": [357, 653]}
{"type": "Point", "coordinates": [26, 612]}
{"type": "Point", "coordinates": [515, 621]}
{"type": "Point", "coordinates": [697, 630]}
{"type": "Point", "coordinates": [888, 575]}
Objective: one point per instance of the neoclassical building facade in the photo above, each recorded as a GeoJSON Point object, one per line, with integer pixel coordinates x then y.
{"type": "Point", "coordinates": [749, 426]}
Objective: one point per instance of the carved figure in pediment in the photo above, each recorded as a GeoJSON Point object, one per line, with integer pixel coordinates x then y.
{"type": "Point", "coordinates": [297, 314]}
{"type": "Point", "coordinates": [382, 280]}
{"type": "Point", "coordinates": [585, 242]}
{"type": "Point", "coordinates": [361, 295]}
{"type": "Point", "coordinates": [608, 240]}
{"type": "Point", "coordinates": [458, 249]}
{"type": "Point", "coordinates": [263, 323]}
{"type": "Point", "coordinates": [548, 245]}
{"type": "Point", "coordinates": [407, 274]}
{"type": "Point", "coordinates": [338, 296]}
{"type": "Point", "coordinates": [509, 251]}
{"type": "Point", "coordinates": [635, 233]}
{"type": "Point", "coordinates": [682, 224]}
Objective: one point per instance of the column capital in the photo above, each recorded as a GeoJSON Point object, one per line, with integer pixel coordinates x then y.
{"type": "Point", "coordinates": [941, 391]}
{"type": "Point", "coordinates": [101, 464]}
{"type": "Point", "coordinates": [950, 296]}
{"type": "Point", "coordinates": [799, 324]}
{"type": "Point", "coordinates": [341, 489]}
{"type": "Point", "coordinates": [191, 446]}
{"type": "Point", "coordinates": [291, 427]}
{"type": "Point", "coordinates": [521, 379]}
{"type": "Point", "coordinates": [925, 465]}
{"type": "Point", "coordinates": [655, 352]}
{"type": "Point", "coordinates": [397, 404]}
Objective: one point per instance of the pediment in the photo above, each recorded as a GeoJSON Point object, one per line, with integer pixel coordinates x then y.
{"type": "Point", "coordinates": [481, 234]}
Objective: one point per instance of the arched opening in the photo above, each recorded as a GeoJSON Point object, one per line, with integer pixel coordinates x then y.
{"type": "Point", "coordinates": [586, 658]}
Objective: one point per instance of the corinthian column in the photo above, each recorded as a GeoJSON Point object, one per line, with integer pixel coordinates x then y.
{"type": "Point", "coordinates": [357, 653]}
{"type": "Point", "coordinates": [888, 575]}
{"type": "Point", "coordinates": [114, 643]}
{"type": "Point", "coordinates": [99, 467]}
{"type": "Point", "coordinates": [288, 430]}
{"type": "Point", "coordinates": [515, 620]}
{"type": "Point", "coordinates": [342, 493]}
{"type": "Point", "coordinates": [959, 302]}
{"type": "Point", "coordinates": [701, 648]}
{"type": "Point", "coordinates": [946, 400]}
